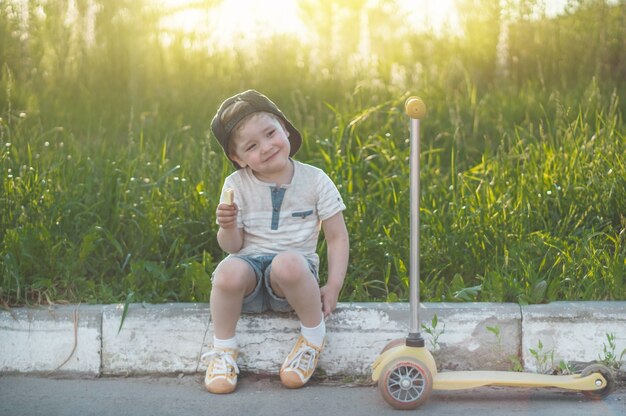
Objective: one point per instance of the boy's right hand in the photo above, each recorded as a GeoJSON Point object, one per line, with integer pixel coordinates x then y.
{"type": "Point", "coordinates": [227, 215]}
{"type": "Point", "coordinates": [227, 211]}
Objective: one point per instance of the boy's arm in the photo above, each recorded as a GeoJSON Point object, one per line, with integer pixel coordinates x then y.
{"type": "Point", "coordinates": [338, 248]}
{"type": "Point", "coordinates": [230, 239]}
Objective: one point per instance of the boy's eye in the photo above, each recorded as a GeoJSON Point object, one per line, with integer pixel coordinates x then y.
{"type": "Point", "coordinates": [271, 132]}
{"type": "Point", "coordinates": [250, 147]}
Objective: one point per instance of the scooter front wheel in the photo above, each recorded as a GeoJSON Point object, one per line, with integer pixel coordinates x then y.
{"type": "Point", "coordinates": [607, 374]}
{"type": "Point", "coordinates": [393, 343]}
{"type": "Point", "coordinates": [405, 383]}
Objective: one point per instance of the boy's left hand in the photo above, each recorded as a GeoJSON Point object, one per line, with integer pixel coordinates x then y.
{"type": "Point", "coordinates": [329, 299]}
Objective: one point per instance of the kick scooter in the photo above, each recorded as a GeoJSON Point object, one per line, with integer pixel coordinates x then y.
{"type": "Point", "coordinates": [406, 371]}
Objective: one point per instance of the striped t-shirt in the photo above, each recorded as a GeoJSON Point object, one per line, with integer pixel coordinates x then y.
{"type": "Point", "coordinates": [276, 219]}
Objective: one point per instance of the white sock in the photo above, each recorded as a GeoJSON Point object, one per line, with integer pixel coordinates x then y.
{"type": "Point", "coordinates": [230, 343]}
{"type": "Point", "coordinates": [314, 335]}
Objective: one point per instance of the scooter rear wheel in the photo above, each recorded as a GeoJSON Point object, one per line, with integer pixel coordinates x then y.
{"type": "Point", "coordinates": [607, 374]}
{"type": "Point", "coordinates": [405, 383]}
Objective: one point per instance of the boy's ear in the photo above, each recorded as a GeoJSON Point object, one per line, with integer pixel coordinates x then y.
{"type": "Point", "coordinates": [237, 160]}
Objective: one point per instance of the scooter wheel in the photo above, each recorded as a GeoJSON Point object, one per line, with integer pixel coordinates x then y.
{"type": "Point", "coordinates": [393, 343]}
{"type": "Point", "coordinates": [607, 374]}
{"type": "Point", "coordinates": [405, 383]}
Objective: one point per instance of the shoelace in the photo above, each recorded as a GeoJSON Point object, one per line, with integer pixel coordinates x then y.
{"type": "Point", "coordinates": [222, 362]}
{"type": "Point", "coordinates": [304, 358]}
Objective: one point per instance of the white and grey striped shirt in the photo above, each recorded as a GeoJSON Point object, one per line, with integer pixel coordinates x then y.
{"type": "Point", "coordinates": [276, 219]}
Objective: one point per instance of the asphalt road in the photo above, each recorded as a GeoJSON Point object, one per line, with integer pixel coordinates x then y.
{"type": "Point", "coordinates": [182, 396]}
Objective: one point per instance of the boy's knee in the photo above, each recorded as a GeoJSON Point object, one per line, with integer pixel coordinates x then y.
{"type": "Point", "coordinates": [230, 277]}
{"type": "Point", "coordinates": [289, 267]}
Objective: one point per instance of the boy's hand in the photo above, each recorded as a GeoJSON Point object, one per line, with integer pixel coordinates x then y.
{"type": "Point", "coordinates": [330, 294]}
{"type": "Point", "coordinates": [227, 215]}
{"type": "Point", "coordinates": [227, 212]}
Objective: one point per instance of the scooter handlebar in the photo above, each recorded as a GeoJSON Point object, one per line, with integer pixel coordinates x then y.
{"type": "Point", "coordinates": [415, 107]}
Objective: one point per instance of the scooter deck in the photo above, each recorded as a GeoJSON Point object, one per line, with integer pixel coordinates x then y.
{"type": "Point", "coordinates": [460, 380]}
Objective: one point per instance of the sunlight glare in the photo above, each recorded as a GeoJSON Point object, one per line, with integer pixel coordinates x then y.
{"type": "Point", "coordinates": [244, 21]}
{"type": "Point", "coordinates": [233, 21]}
{"type": "Point", "coordinates": [431, 14]}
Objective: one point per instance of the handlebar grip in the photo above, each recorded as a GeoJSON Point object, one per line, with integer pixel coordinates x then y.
{"type": "Point", "coordinates": [415, 107]}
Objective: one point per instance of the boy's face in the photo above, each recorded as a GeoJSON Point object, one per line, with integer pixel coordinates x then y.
{"type": "Point", "coordinates": [261, 143]}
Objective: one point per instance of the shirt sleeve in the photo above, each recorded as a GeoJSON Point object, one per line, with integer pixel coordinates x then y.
{"type": "Point", "coordinates": [330, 201]}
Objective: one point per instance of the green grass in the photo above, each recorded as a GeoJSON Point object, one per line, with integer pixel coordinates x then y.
{"type": "Point", "coordinates": [109, 178]}
{"type": "Point", "coordinates": [538, 217]}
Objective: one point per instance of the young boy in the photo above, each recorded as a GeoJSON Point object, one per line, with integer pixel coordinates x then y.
{"type": "Point", "coordinates": [270, 231]}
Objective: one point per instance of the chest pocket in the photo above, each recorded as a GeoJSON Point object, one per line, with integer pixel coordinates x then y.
{"type": "Point", "coordinates": [302, 214]}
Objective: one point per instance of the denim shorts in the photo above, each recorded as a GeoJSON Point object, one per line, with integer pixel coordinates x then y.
{"type": "Point", "coordinates": [263, 297]}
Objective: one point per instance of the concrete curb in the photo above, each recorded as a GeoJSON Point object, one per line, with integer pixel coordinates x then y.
{"type": "Point", "coordinates": [170, 338]}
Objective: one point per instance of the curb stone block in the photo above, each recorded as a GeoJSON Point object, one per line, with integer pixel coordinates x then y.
{"type": "Point", "coordinates": [40, 340]}
{"type": "Point", "coordinates": [169, 338]}
{"type": "Point", "coordinates": [153, 338]}
{"type": "Point", "coordinates": [357, 333]}
{"type": "Point", "coordinates": [476, 336]}
{"type": "Point", "coordinates": [572, 332]}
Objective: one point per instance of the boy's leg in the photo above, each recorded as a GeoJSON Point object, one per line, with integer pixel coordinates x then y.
{"type": "Point", "coordinates": [290, 277]}
{"type": "Point", "coordinates": [232, 280]}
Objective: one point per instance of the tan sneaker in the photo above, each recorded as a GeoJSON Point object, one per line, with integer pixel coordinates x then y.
{"type": "Point", "coordinates": [300, 364]}
{"type": "Point", "coordinates": [222, 370]}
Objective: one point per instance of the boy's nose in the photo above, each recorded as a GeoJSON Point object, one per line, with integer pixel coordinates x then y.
{"type": "Point", "coordinates": [266, 146]}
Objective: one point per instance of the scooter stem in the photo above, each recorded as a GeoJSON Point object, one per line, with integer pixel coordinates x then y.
{"type": "Point", "coordinates": [415, 109]}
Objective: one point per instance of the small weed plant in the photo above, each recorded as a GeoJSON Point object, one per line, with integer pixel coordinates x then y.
{"type": "Point", "coordinates": [544, 360]}
{"type": "Point", "coordinates": [435, 330]}
{"type": "Point", "coordinates": [609, 357]}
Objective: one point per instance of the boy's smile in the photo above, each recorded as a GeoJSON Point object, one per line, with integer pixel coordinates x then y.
{"type": "Point", "coordinates": [262, 144]}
